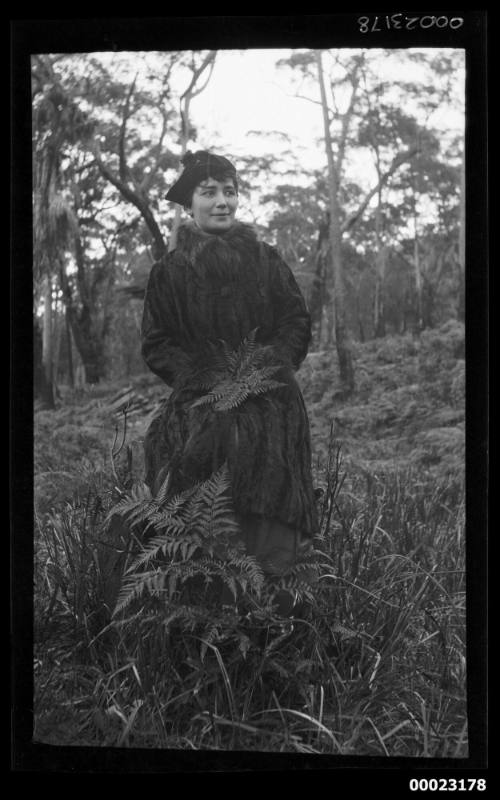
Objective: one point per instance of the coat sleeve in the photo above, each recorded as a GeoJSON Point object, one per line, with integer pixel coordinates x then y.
{"type": "Point", "coordinates": [292, 322]}
{"type": "Point", "coordinates": [162, 347]}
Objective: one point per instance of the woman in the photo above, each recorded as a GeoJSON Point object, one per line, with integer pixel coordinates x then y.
{"type": "Point", "coordinates": [219, 287]}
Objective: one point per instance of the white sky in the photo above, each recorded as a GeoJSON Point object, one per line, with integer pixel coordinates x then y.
{"type": "Point", "coordinates": [248, 92]}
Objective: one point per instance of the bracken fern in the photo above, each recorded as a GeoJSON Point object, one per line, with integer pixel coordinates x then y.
{"type": "Point", "coordinates": [196, 539]}
{"type": "Point", "coordinates": [236, 375]}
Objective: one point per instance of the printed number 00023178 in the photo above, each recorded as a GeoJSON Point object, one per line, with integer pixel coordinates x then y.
{"type": "Point", "coordinates": [447, 784]}
{"type": "Point", "coordinates": [402, 22]}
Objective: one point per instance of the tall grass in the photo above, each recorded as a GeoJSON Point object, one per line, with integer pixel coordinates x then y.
{"type": "Point", "coordinates": [372, 664]}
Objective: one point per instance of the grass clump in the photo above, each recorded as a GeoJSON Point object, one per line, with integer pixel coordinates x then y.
{"type": "Point", "coordinates": [371, 663]}
{"type": "Point", "coordinates": [153, 630]}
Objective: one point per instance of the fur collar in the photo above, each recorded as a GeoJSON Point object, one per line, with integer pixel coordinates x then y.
{"type": "Point", "coordinates": [193, 242]}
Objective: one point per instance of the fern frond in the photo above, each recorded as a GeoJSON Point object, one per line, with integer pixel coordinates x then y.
{"type": "Point", "coordinates": [162, 493]}
{"type": "Point", "coordinates": [133, 588]}
{"type": "Point", "coordinates": [241, 392]}
{"type": "Point", "coordinates": [215, 485]}
{"type": "Point", "coordinates": [230, 357]}
{"type": "Point", "coordinates": [137, 495]}
{"type": "Point", "coordinates": [161, 520]}
{"type": "Point", "coordinates": [216, 393]}
{"type": "Point", "coordinates": [239, 376]}
{"type": "Point", "coordinates": [247, 352]}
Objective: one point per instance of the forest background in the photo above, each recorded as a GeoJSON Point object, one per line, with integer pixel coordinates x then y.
{"type": "Point", "coordinates": [358, 176]}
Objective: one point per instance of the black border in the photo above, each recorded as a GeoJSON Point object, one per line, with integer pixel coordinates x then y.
{"type": "Point", "coordinates": [240, 32]}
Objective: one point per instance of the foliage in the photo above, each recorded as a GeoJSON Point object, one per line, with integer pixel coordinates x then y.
{"type": "Point", "coordinates": [371, 665]}
{"type": "Point", "coordinates": [233, 376]}
{"type": "Point", "coordinates": [372, 661]}
{"type": "Point", "coordinates": [401, 265]}
{"type": "Point", "coordinates": [442, 359]}
{"type": "Point", "coordinates": [97, 120]}
{"type": "Point", "coordinates": [104, 145]}
{"type": "Point", "coordinates": [194, 538]}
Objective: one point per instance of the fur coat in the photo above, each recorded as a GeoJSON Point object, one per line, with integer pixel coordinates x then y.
{"type": "Point", "coordinates": [210, 293]}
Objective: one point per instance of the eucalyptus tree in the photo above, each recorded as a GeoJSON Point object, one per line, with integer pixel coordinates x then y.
{"type": "Point", "coordinates": [201, 66]}
{"type": "Point", "coordinates": [386, 129]}
{"type": "Point", "coordinates": [430, 203]}
{"type": "Point", "coordinates": [57, 123]}
{"type": "Point", "coordinates": [423, 198]}
{"type": "Point", "coordinates": [341, 104]}
{"type": "Point", "coordinates": [72, 248]}
{"type": "Point", "coordinates": [378, 109]}
{"type": "Point", "coordinates": [152, 131]}
{"type": "Point", "coordinates": [110, 179]}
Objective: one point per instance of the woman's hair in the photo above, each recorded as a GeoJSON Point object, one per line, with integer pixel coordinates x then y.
{"type": "Point", "coordinates": [198, 167]}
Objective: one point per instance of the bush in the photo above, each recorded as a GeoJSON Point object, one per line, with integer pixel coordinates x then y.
{"type": "Point", "coordinates": [371, 663]}
{"type": "Point", "coordinates": [440, 349]}
{"type": "Point", "coordinates": [392, 349]}
{"type": "Point", "coordinates": [177, 668]}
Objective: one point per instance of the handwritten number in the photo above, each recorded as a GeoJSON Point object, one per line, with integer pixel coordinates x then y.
{"type": "Point", "coordinates": [397, 21]}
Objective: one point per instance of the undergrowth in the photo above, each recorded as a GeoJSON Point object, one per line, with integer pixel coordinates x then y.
{"type": "Point", "coordinates": [370, 663]}
{"type": "Point", "coordinates": [152, 629]}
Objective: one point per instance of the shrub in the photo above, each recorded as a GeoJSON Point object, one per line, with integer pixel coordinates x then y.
{"type": "Point", "coordinates": [439, 351]}
{"type": "Point", "coordinates": [369, 664]}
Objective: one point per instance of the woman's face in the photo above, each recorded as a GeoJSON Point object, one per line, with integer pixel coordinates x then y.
{"type": "Point", "coordinates": [214, 205]}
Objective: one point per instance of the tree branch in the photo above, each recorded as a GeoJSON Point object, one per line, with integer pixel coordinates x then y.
{"type": "Point", "coordinates": [397, 162]}
{"type": "Point", "coordinates": [201, 88]}
{"type": "Point", "coordinates": [147, 181]}
{"type": "Point", "coordinates": [80, 271]}
{"type": "Point", "coordinates": [210, 57]}
{"type": "Point", "coordinates": [346, 118]}
{"type": "Point", "coordinates": [133, 197]}
{"type": "Point", "coordinates": [124, 171]}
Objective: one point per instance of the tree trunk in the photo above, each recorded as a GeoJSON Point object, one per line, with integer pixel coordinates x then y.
{"type": "Point", "coordinates": [69, 346]}
{"type": "Point", "coordinates": [318, 296]}
{"type": "Point", "coordinates": [461, 246]}
{"type": "Point", "coordinates": [380, 264]}
{"type": "Point", "coordinates": [416, 262]}
{"type": "Point", "coordinates": [379, 300]}
{"type": "Point", "coordinates": [56, 348]}
{"type": "Point", "coordinates": [418, 277]}
{"type": "Point", "coordinates": [88, 333]}
{"type": "Point", "coordinates": [38, 376]}
{"type": "Point", "coordinates": [337, 318]}
{"type": "Point", "coordinates": [90, 347]}
{"type": "Point", "coordinates": [428, 303]}
{"type": "Point", "coordinates": [361, 327]}
{"type": "Point", "coordinates": [47, 388]}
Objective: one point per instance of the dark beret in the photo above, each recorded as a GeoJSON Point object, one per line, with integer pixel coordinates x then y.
{"type": "Point", "coordinates": [198, 167]}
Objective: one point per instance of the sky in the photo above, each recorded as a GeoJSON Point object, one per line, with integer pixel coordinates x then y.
{"type": "Point", "coordinates": [248, 92]}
